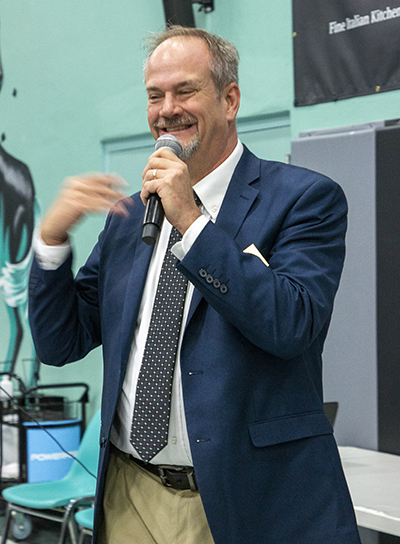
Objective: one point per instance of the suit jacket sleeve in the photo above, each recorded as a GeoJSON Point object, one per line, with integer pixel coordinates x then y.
{"type": "Point", "coordinates": [64, 314]}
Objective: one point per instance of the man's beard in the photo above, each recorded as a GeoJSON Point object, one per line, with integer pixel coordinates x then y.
{"type": "Point", "coordinates": [189, 149]}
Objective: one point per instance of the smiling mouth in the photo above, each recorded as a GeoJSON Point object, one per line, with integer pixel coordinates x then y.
{"type": "Point", "coordinates": [175, 128]}
{"type": "Point", "coordinates": [171, 125]}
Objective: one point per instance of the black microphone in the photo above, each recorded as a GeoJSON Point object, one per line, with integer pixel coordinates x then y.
{"type": "Point", "coordinates": [154, 214]}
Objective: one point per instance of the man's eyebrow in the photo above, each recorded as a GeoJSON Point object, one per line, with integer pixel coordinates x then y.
{"type": "Point", "coordinates": [188, 82]}
{"type": "Point", "coordinates": [152, 89]}
{"type": "Point", "coordinates": [181, 84]}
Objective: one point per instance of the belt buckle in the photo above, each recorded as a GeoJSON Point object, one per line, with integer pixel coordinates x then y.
{"type": "Point", "coordinates": [189, 471]}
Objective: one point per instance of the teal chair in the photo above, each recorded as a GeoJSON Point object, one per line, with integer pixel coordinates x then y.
{"type": "Point", "coordinates": [84, 519]}
{"type": "Point", "coordinates": [58, 500]}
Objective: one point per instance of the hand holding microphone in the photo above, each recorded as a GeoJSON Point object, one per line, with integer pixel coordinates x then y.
{"type": "Point", "coordinates": [154, 214]}
{"type": "Point", "coordinates": [167, 179]}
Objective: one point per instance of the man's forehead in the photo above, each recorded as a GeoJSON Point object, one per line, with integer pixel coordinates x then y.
{"type": "Point", "coordinates": [178, 42]}
{"type": "Point", "coordinates": [181, 59]}
{"type": "Point", "coordinates": [176, 48]}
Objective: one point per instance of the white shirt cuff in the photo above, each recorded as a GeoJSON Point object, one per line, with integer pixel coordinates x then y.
{"type": "Point", "coordinates": [50, 257]}
{"type": "Point", "coordinates": [181, 248]}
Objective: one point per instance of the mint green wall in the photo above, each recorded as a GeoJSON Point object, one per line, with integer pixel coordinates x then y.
{"type": "Point", "coordinates": [76, 66]}
{"type": "Point", "coordinates": [77, 70]}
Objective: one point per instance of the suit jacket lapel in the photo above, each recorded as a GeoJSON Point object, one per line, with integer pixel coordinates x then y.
{"type": "Point", "coordinates": [236, 205]}
{"type": "Point", "coordinates": [240, 194]}
{"type": "Point", "coordinates": [134, 292]}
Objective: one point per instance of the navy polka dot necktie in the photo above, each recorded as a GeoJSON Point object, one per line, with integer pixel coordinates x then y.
{"type": "Point", "coordinates": [149, 432]}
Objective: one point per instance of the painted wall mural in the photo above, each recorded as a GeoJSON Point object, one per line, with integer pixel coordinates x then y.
{"type": "Point", "coordinates": [18, 211]}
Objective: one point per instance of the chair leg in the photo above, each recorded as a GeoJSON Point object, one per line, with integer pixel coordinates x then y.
{"type": "Point", "coordinates": [68, 523]}
{"type": "Point", "coordinates": [73, 530]}
{"type": "Point", "coordinates": [84, 532]}
{"type": "Point", "coordinates": [7, 523]}
{"type": "Point", "coordinates": [81, 537]}
{"type": "Point", "coordinates": [63, 532]}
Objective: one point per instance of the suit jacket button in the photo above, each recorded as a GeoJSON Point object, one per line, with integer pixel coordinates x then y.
{"type": "Point", "coordinates": [202, 273]}
{"type": "Point", "coordinates": [223, 289]}
{"type": "Point", "coordinates": [209, 278]}
{"type": "Point", "coordinates": [216, 284]}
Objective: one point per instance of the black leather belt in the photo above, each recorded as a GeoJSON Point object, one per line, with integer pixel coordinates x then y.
{"type": "Point", "coordinates": [173, 476]}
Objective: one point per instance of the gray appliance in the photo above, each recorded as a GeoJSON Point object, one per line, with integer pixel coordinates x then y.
{"type": "Point", "coordinates": [362, 351]}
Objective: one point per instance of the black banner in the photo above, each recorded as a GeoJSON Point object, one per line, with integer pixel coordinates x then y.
{"type": "Point", "coordinates": [345, 48]}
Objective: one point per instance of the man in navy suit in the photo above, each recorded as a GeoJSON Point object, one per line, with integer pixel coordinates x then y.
{"type": "Point", "coordinates": [250, 457]}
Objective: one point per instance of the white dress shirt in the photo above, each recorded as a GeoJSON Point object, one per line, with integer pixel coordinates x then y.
{"type": "Point", "coordinates": [211, 191]}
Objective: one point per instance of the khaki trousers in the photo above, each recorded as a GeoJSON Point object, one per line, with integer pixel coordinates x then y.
{"type": "Point", "coordinates": [140, 510]}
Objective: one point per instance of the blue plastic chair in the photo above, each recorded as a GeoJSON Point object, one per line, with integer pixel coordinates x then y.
{"type": "Point", "coordinates": [84, 518]}
{"type": "Point", "coordinates": [58, 500]}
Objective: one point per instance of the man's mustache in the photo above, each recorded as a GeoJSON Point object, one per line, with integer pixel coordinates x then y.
{"type": "Point", "coordinates": [174, 122]}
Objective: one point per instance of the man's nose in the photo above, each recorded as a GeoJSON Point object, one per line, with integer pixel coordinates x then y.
{"type": "Point", "coordinates": [170, 106]}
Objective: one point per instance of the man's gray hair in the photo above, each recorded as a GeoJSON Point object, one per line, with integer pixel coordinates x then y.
{"type": "Point", "coordinates": [224, 55]}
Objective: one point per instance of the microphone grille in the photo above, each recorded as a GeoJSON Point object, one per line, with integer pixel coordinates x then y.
{"type": "Point", "coordinates": [169, 141]}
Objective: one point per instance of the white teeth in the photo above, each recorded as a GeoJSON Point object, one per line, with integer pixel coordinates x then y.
{"type": "Point", "coordinates": [171, 129]}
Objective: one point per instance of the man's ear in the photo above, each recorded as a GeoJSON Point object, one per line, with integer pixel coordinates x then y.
{"type": "Point", "coordinates": [231, 96]}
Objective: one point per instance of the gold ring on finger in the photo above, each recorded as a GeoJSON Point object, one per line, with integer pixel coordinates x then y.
{"type": "Point", "coordinates": [155, 174]}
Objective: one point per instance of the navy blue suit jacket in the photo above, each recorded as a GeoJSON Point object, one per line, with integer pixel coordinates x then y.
{"type": "Point", "coordinates": [264, 455]}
